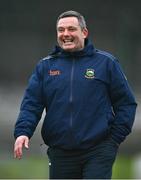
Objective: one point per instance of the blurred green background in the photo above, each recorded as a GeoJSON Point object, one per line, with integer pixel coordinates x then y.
{"type": "Point", "coordinates": [27, 34]}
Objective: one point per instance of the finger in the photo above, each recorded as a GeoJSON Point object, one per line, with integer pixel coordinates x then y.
{"type": "Point", "coordinates": [26, 143]}
{"type": "Point", "coordinates": [17, 154]}
{"type": "Point", "coordinates": [15, 151]}
{"type": "Point", "coordinates": [18, 150]}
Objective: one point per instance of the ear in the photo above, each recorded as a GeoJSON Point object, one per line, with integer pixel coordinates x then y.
{"type": "Point", "coordinates": [85, 32]}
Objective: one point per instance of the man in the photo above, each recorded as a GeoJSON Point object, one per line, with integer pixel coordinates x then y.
{"type": "Point", "coordinates": [89, 105]}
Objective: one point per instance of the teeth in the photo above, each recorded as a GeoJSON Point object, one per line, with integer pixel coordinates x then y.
{"type": "Point", "coordinates": [67, 40]}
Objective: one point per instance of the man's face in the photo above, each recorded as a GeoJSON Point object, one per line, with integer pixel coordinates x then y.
{"type": "Point", "coordinates": [70, 36]}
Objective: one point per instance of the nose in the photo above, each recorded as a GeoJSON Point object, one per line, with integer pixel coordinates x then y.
{"type": "Point", "coordinates": [66, 32]}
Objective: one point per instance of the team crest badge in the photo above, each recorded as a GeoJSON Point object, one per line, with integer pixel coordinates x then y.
{"type": "Point", "coordinates": [90, 73]}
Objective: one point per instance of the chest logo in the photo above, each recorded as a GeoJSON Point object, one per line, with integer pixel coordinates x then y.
{"type": "Point", "coordinates": [90, 73]}
{"type": "Point", "coordinates": [54, 72]}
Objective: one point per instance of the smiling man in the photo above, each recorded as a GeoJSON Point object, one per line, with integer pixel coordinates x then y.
{"type": "Point", "coordinates": [90, 107]}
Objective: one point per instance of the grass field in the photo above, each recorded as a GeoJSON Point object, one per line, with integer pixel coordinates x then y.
{"type": "Point", "coordinates": [37, 168]}
{"type": "Point", "coordinates": [31, 168]}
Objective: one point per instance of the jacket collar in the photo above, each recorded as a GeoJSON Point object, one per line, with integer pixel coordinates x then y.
{"type": "Point", "coordinates": [88, 50]}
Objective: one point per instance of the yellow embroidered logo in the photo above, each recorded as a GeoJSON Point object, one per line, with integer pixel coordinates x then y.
{"type": "Point", "coordinates": [54, 72]}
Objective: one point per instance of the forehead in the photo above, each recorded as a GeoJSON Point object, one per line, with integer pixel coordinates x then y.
{"type": "Point", "coordinates": [68, 21]}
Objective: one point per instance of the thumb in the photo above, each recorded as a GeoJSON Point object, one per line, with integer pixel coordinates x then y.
{"type": "Point", "coordinates": [26, 143]}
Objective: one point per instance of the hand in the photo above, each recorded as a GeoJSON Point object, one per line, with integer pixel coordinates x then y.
{"type": "Point", "coordinates": [18, 147]}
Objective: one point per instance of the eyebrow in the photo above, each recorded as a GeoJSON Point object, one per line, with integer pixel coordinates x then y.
{"type": "Point", "coordinates": [66, 27]}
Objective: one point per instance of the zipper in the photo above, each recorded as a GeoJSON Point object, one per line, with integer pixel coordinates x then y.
{"type": "Point", "coordinates": [71, 90]}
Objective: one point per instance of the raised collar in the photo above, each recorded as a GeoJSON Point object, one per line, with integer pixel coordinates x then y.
{"type": "Point", "coordinates": [88, 50]}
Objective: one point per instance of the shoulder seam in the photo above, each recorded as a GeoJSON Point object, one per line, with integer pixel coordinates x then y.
{"type": "Point", "coordinates": [47, 57]}
{"type": "Point", "coordinates": [104, 53]}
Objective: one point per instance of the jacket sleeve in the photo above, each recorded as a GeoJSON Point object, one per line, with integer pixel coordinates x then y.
{"type": "Point", "coordinates": [32, 105]}
{"type": "Point", "coordinates": [123, 103]}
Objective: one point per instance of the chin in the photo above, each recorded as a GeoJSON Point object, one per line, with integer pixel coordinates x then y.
{"type": "Point", "coordinates": [69, 49]}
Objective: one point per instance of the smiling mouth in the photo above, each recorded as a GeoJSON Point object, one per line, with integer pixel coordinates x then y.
{"type": "Point", "coordinates": [68, 41]}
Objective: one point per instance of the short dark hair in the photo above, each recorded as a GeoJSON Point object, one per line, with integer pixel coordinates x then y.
{"type": "Point", "coordinates": [71, 13]}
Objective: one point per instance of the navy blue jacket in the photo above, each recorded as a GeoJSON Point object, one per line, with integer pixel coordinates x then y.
{"type": "Point", "coordinates": [86, 97]}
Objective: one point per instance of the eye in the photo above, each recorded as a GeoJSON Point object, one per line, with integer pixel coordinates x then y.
{"type": "Point", "coordinates": [60, 30]}
{"type": "Point", "coordinates": [72, 29]}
